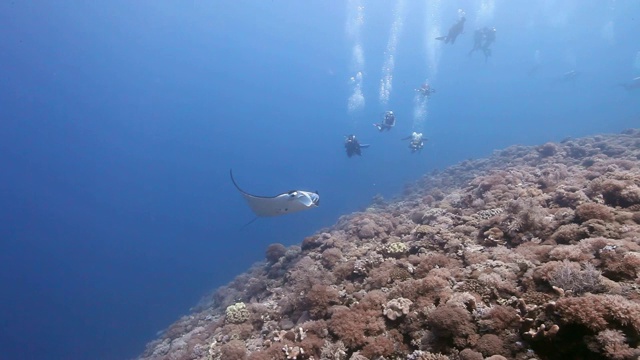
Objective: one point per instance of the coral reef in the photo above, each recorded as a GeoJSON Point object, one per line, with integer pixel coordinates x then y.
{"type": "Point", "coordinates": [532, 253]}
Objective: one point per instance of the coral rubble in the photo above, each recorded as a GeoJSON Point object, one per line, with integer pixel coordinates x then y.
{"type": "Point", "coordinates": [532, 253]}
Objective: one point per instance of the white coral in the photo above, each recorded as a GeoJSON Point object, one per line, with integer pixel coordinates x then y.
{"type": "Point", "coordinates": [292, 352]}
{"type": "Point", "coordinates": [396, 308]}
{"type": "Point", "coordinates": [333, 351]}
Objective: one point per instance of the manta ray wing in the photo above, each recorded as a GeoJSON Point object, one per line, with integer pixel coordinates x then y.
{"type": "Point", "coordinates": [285, 203]}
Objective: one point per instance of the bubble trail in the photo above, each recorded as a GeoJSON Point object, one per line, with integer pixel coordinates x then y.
{"type": "Point", "coordinates": [432, 46]}
{"type": "Point", "coordinates": [355, 20]}
{"type": "Point", "coordinates": [386, 83]}
{"type": "Point", "coordinates": [356, 100]}
{"type": "Point", "coordinates": [485, 13]}
{"type": "Point", "coordinates": [433, 52]}
{"type": "Point", "coordinates": [420, 110]}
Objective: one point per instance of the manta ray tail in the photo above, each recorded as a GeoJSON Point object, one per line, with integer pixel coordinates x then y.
{"type": "Point", "coordinates": [249, 223]}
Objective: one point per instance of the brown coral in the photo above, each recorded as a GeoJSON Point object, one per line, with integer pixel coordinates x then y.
{"type": "Point", "coordinates": [597, 312]}
{"type": "Point", "coordinates": [491, 344]}
{"type": "Point", "coordinates": [275, 252]}
{"type": "Point", "coordinates": [451, 323]}
{"type": "Point", "coordinates": [318, 300]}
{"type": "Point", "coordinates": [590, 211]}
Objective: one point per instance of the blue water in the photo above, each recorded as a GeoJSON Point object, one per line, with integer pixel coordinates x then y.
{"type": "Point", "coordinates": [119, 122]}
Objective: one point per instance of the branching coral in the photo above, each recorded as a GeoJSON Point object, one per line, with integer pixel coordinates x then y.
{"type": "Point", "coordinates": [333, 351]}
{"type": "Point", "coordinates": [570, 277]}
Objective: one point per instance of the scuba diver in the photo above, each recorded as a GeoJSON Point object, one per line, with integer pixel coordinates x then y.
{"type": "Point", "coordinates": [426, 90]}
{"type": "Point", "coordinates": [353, 146]}
{"type": "Point", "coordinates": [416, 141]}
{"type": "Point", "coordinates": [454, 31]}
{"type": "Point", "coordinates": [482, 39]}
{"type": "Point", "coordinates": [388, 122]}
{"type": "Point", "coordinates": [489, 38]}
{"type": "Point", "coordinates": [631, 85]}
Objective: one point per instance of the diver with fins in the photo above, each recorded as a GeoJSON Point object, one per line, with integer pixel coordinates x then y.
{"type": "Point", "coordinates": [387, 123]}
{"type": "Point", "coordinates": [482, 39]}
{"type": "Point", "coordinates": [426, 90]}
{"type": "Point", "coordinates": [353, 146]}
{"type": "Point", "coordinates": [454, 31]}
{"type": "Point", "coordinates": [416, 141]}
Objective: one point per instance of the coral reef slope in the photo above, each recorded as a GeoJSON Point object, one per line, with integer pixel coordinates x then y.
{"type": "Point", "coordinates": [532, 253]}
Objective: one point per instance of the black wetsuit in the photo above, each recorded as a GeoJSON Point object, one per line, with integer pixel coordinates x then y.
{"type": "Point", "coordinates": [352, 146]}
{"type": "Point", "coordinates": [454, 31]}
{"type": "Point", "coordinates": [489, 38]}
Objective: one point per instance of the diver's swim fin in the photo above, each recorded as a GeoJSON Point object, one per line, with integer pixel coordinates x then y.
{"type": "Point", "coordinates": [441, 37]}
{"type": "Point", "coordinates": [364, 146]}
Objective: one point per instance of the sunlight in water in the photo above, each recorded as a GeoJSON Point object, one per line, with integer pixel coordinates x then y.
{"type": "Point", "coordinates": [387, 69]}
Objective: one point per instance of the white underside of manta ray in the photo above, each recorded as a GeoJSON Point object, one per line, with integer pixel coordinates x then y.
{"type": "Point", "coordinates": [285, 203]}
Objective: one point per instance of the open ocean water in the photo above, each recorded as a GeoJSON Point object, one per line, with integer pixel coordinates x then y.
{"type": "Point", "coordinates": [120, 120]}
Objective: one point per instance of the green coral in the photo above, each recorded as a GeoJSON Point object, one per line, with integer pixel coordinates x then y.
{"type": "Point", "coordinates": [237, 313]}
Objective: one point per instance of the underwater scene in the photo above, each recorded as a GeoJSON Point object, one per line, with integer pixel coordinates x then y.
{"type": "Point", "coordinates": [320, 180]}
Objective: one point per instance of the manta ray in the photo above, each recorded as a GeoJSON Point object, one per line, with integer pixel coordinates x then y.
{"type": "Point", "coordinates": [286, 203]}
